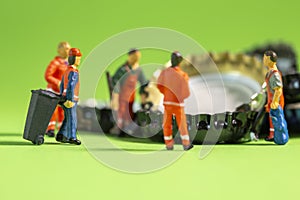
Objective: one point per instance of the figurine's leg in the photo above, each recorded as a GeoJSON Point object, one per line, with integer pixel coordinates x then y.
{"type": "Point", "coordinates": [182, 126]}
{"type": "Point", "coordinates": [68, 118]}
{"type": "Point", "coordinates": [121, 111]}
{"type": "Point", "coordinates": [73, 122]}
{"type": "Point", "coordinates": [167, 127]}
{"type": "Point", "coordinates": [63, 128]}
{"type": "Point", "coordinates": [271, 132]}
{"type": "Point", "coordinates": [128, 114]}
{"type": "Point", "coordinates": [130, 109]}
{"type": "Point", "coordinates": [72, 125]}
{"type": "Point", "coordinates": [60, 116]}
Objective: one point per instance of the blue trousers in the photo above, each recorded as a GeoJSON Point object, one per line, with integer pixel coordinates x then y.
{"type": "Point", "coordinates": [281, 134]}
{"type": "Point", "coordinates": [69, 125]}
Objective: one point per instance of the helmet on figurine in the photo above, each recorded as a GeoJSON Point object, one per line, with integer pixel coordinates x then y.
{"type": "Point", "coordinates": [176, 58]}
{"type": "Point", "coordinates": [74, 55]}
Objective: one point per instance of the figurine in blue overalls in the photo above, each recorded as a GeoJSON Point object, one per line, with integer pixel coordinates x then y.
{"type": "Point", "coordinates": [69, 89]}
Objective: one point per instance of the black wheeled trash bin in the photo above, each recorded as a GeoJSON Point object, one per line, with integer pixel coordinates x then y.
{"type": "Point", "coordinates": [41, 108]}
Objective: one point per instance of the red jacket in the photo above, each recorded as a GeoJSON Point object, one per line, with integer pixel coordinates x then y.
{"type": "Point", "coordinates": [54, 73]}
{"type": "Point", "coordinates": [70, 84]}
{"type": "Point", "coordinates": [173, 84]}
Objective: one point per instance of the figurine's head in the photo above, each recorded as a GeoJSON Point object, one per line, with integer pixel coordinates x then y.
{"type": "Point", "coordinates": [63, 49]}
{"type": "Point", "coordinates": [134, 56]}
{"type": "Point", "coordinates": [270, 58]}
{"type": "Point", "coordinates": [176, 59]}
{"type": "Point", "coordinates": [74, 57]}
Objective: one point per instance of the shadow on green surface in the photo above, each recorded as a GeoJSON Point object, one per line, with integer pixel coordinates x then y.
{"type": "Point", "coordinates": [10, 134]}
{"type": "Point", "coordinates": [54, 143]}
{"type": "Point", "coordinates": [28, 143]}
{"type": "Point", "coordinates": [134, 140]}
{"type": "Point", "coordinates": [15, 143]}
{"type": "Point", "coordinates": [125, 138]}
{"type": "Point", "coordinates": [248, 144]}
{"type": "Point", "coordinates": [148, 141]}
{"type": "Point", "coordinates": [124, 149]}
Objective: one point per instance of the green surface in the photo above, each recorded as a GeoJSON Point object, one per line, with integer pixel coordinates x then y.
{"type": "Point", "coordinates": [30, 31]}
{"type": "Point", "coordinates": [257, 170]}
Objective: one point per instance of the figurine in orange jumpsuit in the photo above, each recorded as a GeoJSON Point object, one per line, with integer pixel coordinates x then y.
{"type": "Point", "coordinates": [274, 88]}
{"type": "Point", "coordinates": [123, 96]}
{"type": "Point", "coordinates": [173, 84]}
{"type": "Point", "coordinates": [53, 76]}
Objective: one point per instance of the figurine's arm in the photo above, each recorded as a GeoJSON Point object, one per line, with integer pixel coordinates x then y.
{"type": "Point", "coordinates": [160, 82]}
{"type": "Point", "coordinates": [186, 88]}
{"type": "Point", "coordinates": [276, 85]}
{"type": "Point", "coordinates": [52, 67]}
{"type": "Point", "coordinates": [73, 79]}
{"type": "Point", "coordinates": [115, 101]}
{"type": "Point", "coordinates": [116, 79]}
{"type": "Point", "coordinates": [276, 97]}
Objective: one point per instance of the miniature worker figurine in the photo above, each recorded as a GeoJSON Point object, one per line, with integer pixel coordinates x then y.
{"type": "Point", "coordinates": [274, 88]}
{"type": "Point", "coordinates": [173, 84]}
{"type": "Point", "coordinates": [124, 81]}
{"type": "Point", "coordinates": [69, 89]}
{"type": "Point", "coordinates": [53, 76]}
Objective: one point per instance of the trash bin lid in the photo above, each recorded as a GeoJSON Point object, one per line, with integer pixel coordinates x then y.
{"type": "Point", "coordinates": [47, 93]}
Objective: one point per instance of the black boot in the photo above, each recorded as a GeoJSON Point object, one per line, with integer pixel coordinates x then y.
{"type": "Point", "coordinates": [268, 139]}
{"type": "Point", "coordinates": [169, 148]}
{"type": "Point", "coordinates": [186, 148]}
{"type": "Point", "coordinates": [74, 141]}
{"type": "Point", "coordinates": [61, 138]}
{"type": "Point", "coordinates": [50, 133]}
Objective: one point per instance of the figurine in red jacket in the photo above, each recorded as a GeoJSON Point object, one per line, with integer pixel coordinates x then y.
{"type": "Point", "coordinates": [53, 76]}
{"type": "Point", "coordinates": [173, 84]}
{"type": "Point", "coordinates": [69, 89]}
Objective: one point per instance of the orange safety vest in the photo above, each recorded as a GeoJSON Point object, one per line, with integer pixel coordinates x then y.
{"type": "Point", "coordinates": [127, 92]}
{"type": "Point", "coordinates": [270, 94]}
{"type": "Point", "coordinates": [66, 81]}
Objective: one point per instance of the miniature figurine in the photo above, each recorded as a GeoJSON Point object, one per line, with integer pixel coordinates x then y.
{"type": "Point", "coordinates": [69, 89]}
{"type": "Point", "coordinates": [124, 81]}
{"type": "Point", "coordinates": [275, 102]}
{"type": "Point", "coordinates": [53, 76]}
{"type": "Point", "coordinates": [173, 84]}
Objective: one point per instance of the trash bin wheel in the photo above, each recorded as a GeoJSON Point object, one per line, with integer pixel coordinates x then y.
{"type": "Point", "coordinates": [39, 140]}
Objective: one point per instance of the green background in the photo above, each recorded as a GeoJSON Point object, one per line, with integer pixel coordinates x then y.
{"type": "Point", "coordinates": [30, 32]}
